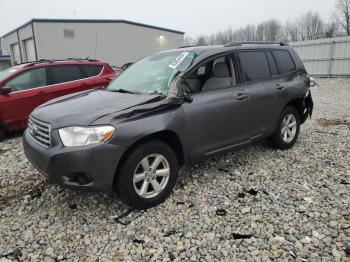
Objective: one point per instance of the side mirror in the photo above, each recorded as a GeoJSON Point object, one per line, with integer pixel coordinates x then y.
{"type": "Point", "coordinates": [5, 90]}
{"type": "Point", "coordinates": [188, 98]}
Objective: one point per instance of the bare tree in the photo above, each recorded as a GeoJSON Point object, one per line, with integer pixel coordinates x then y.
{"type": "Point", "coordinates": [311, 26]}
{"type": "Point", "coordinates": [307, 27]}
{"type": "Point", "coordinates": [343, 7]}
{"type": "Point", "coordinates": [272, 30]}
{"type": "Point", "coordinates": [189, 41]}
{"type": "Point", "coordinates": [291, 31]}
{"type": "Point", "coordinates": [201, 40]}
{"type": "Point", "coordinates": [260, 32]}
{"type": "Point", "coordinates": [332, 27]}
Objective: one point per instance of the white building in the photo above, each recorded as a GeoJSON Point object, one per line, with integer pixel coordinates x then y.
{"type": "Point", "coordinates": [114, 41]}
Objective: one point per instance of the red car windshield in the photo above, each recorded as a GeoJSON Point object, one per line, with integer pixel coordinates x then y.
{"type": "Point", "coordinates": [7, 72]}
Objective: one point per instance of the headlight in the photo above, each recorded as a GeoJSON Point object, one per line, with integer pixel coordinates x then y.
{"type": "Point", "coordinates": [83, 136]}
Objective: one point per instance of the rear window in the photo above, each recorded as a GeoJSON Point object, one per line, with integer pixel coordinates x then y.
{"type": "Point", "coordinates": [284, 61]}
{"type": "Point", "coordinates": [272, 63]}
{"type": "Point", "coordinates": [92, 70]}
{"type": "Point", "coordinates": [254, 65]}
{"type": "Point", "coordinates": [66, 73]}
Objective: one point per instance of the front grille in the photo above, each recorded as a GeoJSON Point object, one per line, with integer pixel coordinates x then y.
{"type": "Point", "coordinates": [41, 131]}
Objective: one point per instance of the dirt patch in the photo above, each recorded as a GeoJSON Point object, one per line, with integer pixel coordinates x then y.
{"type": "Point", "coordinates": [333, 122]}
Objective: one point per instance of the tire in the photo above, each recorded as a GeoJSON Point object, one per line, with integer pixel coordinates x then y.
{"type": "Point", "coordinates": [138, 195]}
{"type": "Point", "coordinates": [2, 133]}
{"type": "Point", "coordinates": [283, 138]}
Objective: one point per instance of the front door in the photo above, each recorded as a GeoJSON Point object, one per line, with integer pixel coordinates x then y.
{"type": "Point", "coordinates": [218, 117]}
{"type": "Point", "coordinates": [28, 92]}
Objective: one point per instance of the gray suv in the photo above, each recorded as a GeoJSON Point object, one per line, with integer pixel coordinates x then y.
{"type": "Point", "coordinates": [166, 110]}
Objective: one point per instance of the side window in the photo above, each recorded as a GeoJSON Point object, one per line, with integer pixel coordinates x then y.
{"type": "Point", "coordinates": [284, 61]}
{"type": "Point", "coordinates": [92, 70]}
{"type": "Point", "coordinates": [29, 79]}
{"type": "Point", "coordinates": [254, 65]}
{"type": "Point", "coordinates": [65, 73]}
{"type": "Point", "coordinates": [215, 74]}
{"type": "Point", "coordinates": [272, 63]}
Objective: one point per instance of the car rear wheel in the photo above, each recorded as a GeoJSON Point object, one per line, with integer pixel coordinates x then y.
{"type": "Point", "coordinates": [287, 131]}
{"type": "Point", "coordinates": [2, 133]}
{"type": "Point", "coordinates": [148, 175]}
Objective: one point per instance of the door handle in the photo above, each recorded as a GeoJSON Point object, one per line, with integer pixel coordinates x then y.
{"type": "Point", "coordinates": [241, 96]}
{"type": "Point", "coordinates": [279, 87]}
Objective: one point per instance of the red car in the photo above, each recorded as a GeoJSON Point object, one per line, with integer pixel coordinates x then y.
{"type": "Point", "coordinates": [26, 86]}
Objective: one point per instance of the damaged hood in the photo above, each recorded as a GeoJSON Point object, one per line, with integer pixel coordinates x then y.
{"type": "Point", "coordinates": [83, 108]}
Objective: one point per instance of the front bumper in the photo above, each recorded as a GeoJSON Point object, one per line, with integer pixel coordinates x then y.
{"type": "Point", "coordinates": [90, 167]}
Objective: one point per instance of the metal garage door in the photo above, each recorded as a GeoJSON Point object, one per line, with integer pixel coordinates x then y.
{"type": "Point", "coordinates": [16, 54]}
{"type": "Point", "coordinates": [30, 51]}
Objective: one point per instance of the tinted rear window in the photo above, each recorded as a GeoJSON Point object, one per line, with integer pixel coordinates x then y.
{"type": "Point", "coordinates": [66, 73]}
{"type": "Point", "coordinates": [284, 61]}
{"type": "Point", "coordinates": [254, 65]}
{"type": "Point", "coordinates": [272, 63]}
{"type": "Point", "coordinates": [92, 70]}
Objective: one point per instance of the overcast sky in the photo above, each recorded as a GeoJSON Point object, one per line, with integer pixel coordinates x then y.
{"type": "Point", "coordinates": [195, 17]}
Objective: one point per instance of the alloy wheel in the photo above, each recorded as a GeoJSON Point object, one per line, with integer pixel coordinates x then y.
{"type": "Point", "coordinates": [151, 175]}
{"type": "Point", "coordinates": [289, 128]}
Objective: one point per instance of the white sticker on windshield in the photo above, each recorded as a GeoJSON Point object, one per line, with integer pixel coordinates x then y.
{"type": "Point", "coordinates": [177, 61]}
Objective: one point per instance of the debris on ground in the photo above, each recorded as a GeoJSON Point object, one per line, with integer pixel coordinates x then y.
{"type": "Point", "coordinates": [128, 216]}
{"type": "Point", "coordinates": [138, 241]}
{"type": "Point", "coordinates": [221, 212]}
{"type": "Point", "coordinates": [170, 232]}
{"type": "Point", "coordinates": [240, 236]}
{"type": "Point", "coordinates": [171, 255]}
{"type": "Point", "coordinates": [297, 258]}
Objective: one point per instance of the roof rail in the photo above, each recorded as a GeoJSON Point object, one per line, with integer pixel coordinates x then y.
{"type": "Point", "coordinates": [185, 46]}
{"type": "Point", "coordinates": [81, 59]}
{"type": "Point", "coordinates": [31, 63]}
{"type": "Point", "coordinates": [256, 43]}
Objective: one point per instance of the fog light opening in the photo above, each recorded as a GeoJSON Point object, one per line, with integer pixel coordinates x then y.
{"type": "Point", "coordinates": [80, 179]}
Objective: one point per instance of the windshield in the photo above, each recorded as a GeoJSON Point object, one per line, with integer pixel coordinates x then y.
{"type": "Point", "coordinates": [153, 74]}
{"type": "Point", "coordinates": [6, 73]}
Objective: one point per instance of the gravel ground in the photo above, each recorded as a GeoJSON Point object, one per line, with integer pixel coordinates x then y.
{"type": "Point", "coordinates": [253, 204]}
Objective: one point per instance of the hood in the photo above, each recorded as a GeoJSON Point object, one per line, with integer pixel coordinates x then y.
{"type": "Point", "coordinates": [85, 107]}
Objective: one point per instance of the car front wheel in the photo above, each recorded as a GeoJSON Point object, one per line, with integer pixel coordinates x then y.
{"type": "Point", "coordinates": [148, 175]}
{"type": "Point", "coordinates": [287, 131]}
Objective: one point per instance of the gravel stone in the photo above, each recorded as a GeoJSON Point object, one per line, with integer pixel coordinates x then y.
{"type": "Point", "coordinates": [302, 204]}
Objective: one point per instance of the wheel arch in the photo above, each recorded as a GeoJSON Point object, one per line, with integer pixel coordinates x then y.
{"type": "Point", "coordinates": [167, 136]}
{"type": "Point", "coordinates": [299, 105]}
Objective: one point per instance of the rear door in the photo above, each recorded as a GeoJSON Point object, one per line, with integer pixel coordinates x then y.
{"type": "Point", "coordinates": [281, 80]}
{"type": "Point", "coordinates": [29, 49]}
{"type": "Point", "coordinates": [261, 87]}
{"type": "Point", "coordinates": [28, 92]}
{"type": "Point", "coordinates": [67, 79]}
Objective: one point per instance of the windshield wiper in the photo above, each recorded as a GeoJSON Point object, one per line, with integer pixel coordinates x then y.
{"type": "Point", "coordinates": [124, 91]}
{"type": "Point", "coordinates": [155, 92]}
